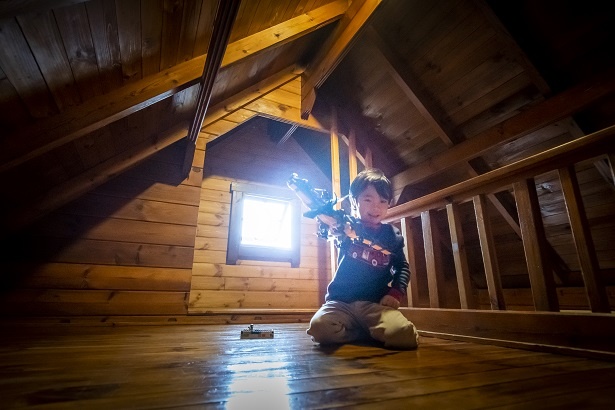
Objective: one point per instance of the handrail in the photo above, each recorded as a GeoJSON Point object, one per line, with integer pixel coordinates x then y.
{"type": "Point", "coordinates": [574, 151]}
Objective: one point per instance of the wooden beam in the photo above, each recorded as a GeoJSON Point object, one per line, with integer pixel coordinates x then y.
{"type": "Point", "coordinates": [336, 183]}
{"type": "Point", "coordinates": [103, 172]}
{"type": "Point", "coordinates": [249, 95]}
{"type": "Point", "coordinates": [225, 17]}
{"type": "Point", "coordinates": [336, 47]}
{"type": "Point", "coordinates": [574, 151]}
{"type": "Point", "coordinates": [92, 178]}
{"type": "Point", "coordinates": [335, 180]}
{"type": "Point", "coordinates": [45, 135]}
{"type": "Point", "coordinates": [429, 109]}
{"type": "Point", "coordinates": [289, 133]}
{"type": "Point", "coordinates": [352, 155]}
{"type": "Point", "coordinates": [554, 109]}
{"type": "Point", "coordinates": [581, 334]}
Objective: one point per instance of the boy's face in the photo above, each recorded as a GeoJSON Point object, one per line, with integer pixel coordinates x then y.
{"type": "Point", "coordinates": [371, 206]}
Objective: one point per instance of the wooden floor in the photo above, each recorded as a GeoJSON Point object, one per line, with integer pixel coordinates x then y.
{"type": "Point", "coordinates": [193, 366]}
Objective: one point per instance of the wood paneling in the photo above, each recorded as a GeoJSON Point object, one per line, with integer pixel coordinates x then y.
{"type": "Point", "coordinates": [124, 249]}
{"type": "Point", "coordinates": [250, 155]}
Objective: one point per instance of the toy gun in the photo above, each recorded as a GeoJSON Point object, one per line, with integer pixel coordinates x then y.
{"type": "Point", "coordinates": [321, 205]}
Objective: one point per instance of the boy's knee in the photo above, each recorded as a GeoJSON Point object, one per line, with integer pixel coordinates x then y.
{"type": "Point", "coordinates": [397, 337]}
{"type": "Point", "coordinates": [324, 330]}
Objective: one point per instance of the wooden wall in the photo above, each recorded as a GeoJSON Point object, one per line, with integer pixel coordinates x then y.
{"type": "Point", "coordinates": [248, 154]}
{"type": "Point", "coordinates": [125, 248]}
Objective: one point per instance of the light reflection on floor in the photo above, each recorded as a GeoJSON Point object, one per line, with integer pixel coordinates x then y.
{"type": "Point", "coordinates": [259, 386]}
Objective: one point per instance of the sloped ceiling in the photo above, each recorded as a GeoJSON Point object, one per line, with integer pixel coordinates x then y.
{"type": "Point", "coordinates": [82, 82]}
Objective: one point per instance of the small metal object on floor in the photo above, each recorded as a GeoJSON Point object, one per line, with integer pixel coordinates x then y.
{"type": "Point", "coordinates": [251, 333]}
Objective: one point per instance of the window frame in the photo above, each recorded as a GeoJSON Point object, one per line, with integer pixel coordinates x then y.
{"type": "Point", "coordinates": [236, 251]}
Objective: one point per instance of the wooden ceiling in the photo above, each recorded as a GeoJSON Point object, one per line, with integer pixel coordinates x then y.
{"type": "Point", "coordinates": [88, 88]}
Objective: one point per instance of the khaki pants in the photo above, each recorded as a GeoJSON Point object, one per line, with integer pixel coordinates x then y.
{"type": "Point", "coordinates": [338, 322]}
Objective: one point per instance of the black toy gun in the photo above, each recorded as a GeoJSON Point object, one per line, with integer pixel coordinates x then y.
{"type": "Point", "coordinates": [321, 205]}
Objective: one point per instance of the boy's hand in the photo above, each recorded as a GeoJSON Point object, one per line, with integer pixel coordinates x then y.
{"type": "Point", "coordinates": [388, 300]}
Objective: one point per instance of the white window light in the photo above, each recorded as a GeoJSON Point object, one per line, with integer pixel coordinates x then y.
{"type": "Point", "coordinates": [266, 222]}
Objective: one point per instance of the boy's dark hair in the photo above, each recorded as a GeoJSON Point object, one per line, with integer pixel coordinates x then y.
{"type": "Point", "coordinates": [375, 177]}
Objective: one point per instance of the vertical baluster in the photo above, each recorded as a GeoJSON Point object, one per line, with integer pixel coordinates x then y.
{"type": "Point", "coordinates": [433, 260]}
{"type": "Point", "coordinates": [466, 294]}
{"type": "Point", "coordinates": [487, 245]}
{"type": "Point", "coordinates": [410, 249]}
{"type": "Point", "coordinates": [535, 246]}
{"type": "Point", "coordinates": [596, 292]}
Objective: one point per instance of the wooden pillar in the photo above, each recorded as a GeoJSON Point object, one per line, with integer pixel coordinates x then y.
{"type": "Point", "coordinates": [352, 155]}
{"type": "Point", "coordinates": [335, 178]}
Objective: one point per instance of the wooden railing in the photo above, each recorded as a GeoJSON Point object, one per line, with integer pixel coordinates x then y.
{"type": "Point", "coordinates": [520, 176]}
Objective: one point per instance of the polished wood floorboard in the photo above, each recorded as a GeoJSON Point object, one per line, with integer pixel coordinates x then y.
{"type": "Point", "coordinates": [209, 366]}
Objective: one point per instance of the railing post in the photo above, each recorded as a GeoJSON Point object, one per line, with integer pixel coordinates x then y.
{"type": "Point", "coordinates": [487, 246]}
{"type": "Point", "coordinates": [590, 269]}
{"type": "Point", "coordinates": [433, 260]}
{"type": "Point", "coordinates": [410, 250]}
{"type": "Point", "coordinates": [466, 294]}
{"type": "Point", "coordinates": [535, 246]}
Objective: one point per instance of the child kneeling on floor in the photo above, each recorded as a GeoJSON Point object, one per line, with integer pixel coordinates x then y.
{"type": "Point", "coordinates": [363, 298]}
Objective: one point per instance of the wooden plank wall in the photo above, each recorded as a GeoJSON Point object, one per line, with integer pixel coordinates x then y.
{"type": "Point", "coordinates": [248, 154]}
{"type": "Point", "coordinates": [125, 248]}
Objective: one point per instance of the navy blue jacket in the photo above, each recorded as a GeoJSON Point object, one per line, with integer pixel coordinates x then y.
{"type": "Point", "coordinates": [370, 265]}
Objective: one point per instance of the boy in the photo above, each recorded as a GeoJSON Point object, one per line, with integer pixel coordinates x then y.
{"type": "Point", "coordinates": [360, 304]}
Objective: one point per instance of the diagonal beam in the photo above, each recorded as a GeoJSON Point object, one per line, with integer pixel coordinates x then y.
{"type": "Point", "coordinates": [225, 17]}
{"type": "Point", "coordinates": [92, 178]}
{"type": "Point", "coordinates": [45, 135]}
{"type": "Point", "coordinates": [355, 18]}
{"type": "Point", "coordinates": [429, 109]}
{"type": "Point", "coordinates": [538, 116]}
{"type": "Point", "coordinates": [435, 117]}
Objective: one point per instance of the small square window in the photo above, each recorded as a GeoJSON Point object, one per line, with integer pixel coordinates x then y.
{"type": "Point", "coordinates": [264, 224]}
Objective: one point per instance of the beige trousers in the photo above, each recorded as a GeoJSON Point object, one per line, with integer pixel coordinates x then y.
{"type": "Point", "coordinates": [338, 322]}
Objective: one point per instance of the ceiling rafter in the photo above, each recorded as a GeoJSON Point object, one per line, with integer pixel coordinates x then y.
{"type": "Point", "coordinates": [98, 112]}
{"type": "Point", "coordinates": [540, 115]}
{"type": "Point", "coordinates": [219, 113]}
{"type": "Point", "coordinates": [225, 17]}
{"type": "Point", "coordinates": [334, 50]}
